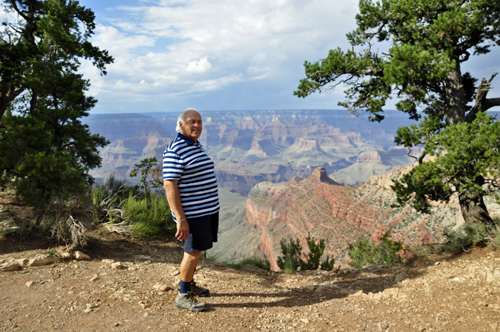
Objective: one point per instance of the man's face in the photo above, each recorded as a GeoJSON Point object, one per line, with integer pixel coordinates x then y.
{"type": "Point", "coordinates": [192, 125]}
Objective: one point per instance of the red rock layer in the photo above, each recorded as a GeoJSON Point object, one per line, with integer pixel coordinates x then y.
{"type": "Point", "coordinates": [340, 215]}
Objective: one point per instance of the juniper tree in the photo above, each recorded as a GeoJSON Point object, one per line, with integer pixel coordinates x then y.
{"type": "Point", "coordinates": [428, 41]}
{"type": "Point", "coordinates": [45, 149]}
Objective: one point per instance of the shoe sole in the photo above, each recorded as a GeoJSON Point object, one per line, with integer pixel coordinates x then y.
{"type": "Point", "coordinates": [193, 310]}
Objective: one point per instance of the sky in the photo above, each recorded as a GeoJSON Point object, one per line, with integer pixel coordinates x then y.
{"type": "Point", "coordinates": [221, 54]}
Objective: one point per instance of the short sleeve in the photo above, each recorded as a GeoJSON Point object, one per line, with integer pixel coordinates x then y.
{"type": "Point", "coordinates": [173, 166]}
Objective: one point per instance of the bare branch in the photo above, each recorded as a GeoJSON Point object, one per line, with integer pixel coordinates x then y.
{"type": "Point", "coordinates": [482, 103]}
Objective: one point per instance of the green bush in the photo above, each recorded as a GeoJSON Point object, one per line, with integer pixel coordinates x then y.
{"type": "Point", "coordinates": [364, 252]}
{"type": "Point", "coordinates": [108, 197]}
{"type": "Point", "coordinates": [149, 216]}
{"type": "Point", "coordinates": [290, 260]}
{"type": "Point", "coordinates": [292, 256]}
{"type": "Point", "coordinates": [467, 236]}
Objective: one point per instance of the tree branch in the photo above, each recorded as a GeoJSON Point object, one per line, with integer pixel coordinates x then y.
{"type": "Point", "coordinates": [482, 103]}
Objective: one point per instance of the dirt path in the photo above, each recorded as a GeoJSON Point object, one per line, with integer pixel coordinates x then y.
{"type": "Point", "coordinates": [435, 293]}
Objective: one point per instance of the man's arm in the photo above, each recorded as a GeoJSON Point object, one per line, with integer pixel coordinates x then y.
{"type": "Point", "coordinates": [174, 200]}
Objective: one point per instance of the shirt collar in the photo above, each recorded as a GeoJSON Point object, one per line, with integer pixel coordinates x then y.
{"type": "Point", "coordinates": [188, 140]}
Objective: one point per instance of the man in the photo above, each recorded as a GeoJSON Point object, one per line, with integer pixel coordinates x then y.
{"type": "Point", "coordinates": [191, 189]}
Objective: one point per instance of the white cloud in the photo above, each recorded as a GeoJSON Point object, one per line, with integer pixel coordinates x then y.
{"type": "Point", "coordinates": [200, 66]}
{"type": "Point", "coordinates": [195, 46]}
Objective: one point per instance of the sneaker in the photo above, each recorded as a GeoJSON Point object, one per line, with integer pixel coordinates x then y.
{"type": "Point", "coordinates": [198, 291]}
{"type": "Point", "coordinates": [188, 301]}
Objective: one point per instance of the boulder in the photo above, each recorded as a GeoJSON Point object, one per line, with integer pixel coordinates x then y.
{"type": "Point", "coordinates": [43, 259]}
{"type": "Point", "coordinates": [80, 256]}
{"type": "Point", "coordinates": [10, 266]}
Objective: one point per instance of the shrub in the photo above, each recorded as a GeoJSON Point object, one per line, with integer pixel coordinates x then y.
{"type": "Point", "coordinates": [469, 235]}
{"type": "Point", "coordinates": [364, 252]}
{"type": "Point", "coordinates": [292, 256]}
{"type": "Point", "coordinates": [149, 216]}
{"type": "Point", "coordinates": [108, 197]}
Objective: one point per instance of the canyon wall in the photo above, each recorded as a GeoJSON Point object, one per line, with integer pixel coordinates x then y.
{"type": "Point", "coordinates": [320, 207]}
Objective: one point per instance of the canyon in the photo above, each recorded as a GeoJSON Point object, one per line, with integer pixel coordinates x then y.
{"type": "Point", "coordinates": [322, 208]}
{"type": "Point", "coordinates": [289, 174]}
{"type": "Point", "coordinates": [249, 147]}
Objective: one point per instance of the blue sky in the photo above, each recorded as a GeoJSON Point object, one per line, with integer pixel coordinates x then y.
{"type": "Point", "coordinates": [221, 54]}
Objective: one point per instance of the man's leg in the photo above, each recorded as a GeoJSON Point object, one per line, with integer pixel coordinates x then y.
{"type": "Point", "coordinates": [186, 300]}
{"type": "Point", "coordinates": [188, 265]}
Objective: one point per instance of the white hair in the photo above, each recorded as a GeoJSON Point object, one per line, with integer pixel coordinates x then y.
{"type": "Point", "coordinates": [182, 118]}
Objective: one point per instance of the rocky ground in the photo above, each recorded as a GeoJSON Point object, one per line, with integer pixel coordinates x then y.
{"type": "Point", "coordinates": [432, 293]}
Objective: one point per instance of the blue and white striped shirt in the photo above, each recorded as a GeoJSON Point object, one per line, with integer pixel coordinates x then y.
{"type": "Point", "coordinates": [187, 162]}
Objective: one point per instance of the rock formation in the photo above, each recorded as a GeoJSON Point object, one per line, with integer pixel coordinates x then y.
{"type": "Point", "coordinates": [320, 207]}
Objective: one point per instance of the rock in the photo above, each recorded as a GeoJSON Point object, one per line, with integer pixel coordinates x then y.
{"type": "Point", "coordinates": [144, 305]}
{"type": "Point", "coordinates": [490, 277]}
{"type": "Point", "coordinates": [29, 283]}
{"type": "Point", "coordinates": [22, 261]}
{"type": "Point", "coordinates": [10, 266]}
{"type": "Point", "coordinates": [94, 278]}
{"type": "Point", "coordinates": [494, 326]}
{"type": "Point", "coordinates": [66, 255]}
{"type": "Point", "coordinates": [310, 288]}
{"type": "Point", "coordinates": [161, 288]}
{"type": "Point", "coordinates": [304, 320]}
{"type": "Point", "coordinates": [42, 259]}
{"type": "Point", "coordinates": [356, 293]}
{"type": "Point", "coordinates": [391, 292]}
{"type": "Point", "coordinates": [455, 279]}
{"type": "Point", "coordinates": [108, 261]}
{"type": "Point", "coordinates": [174, 273]}
{"type": "Point", "coordinates": [80, 256]}
{"type": "Point", "coordinates": [117, 266]}
{"type": "Point", "coordinates": [165, 288]}
{"type": "Point", "coordinates": [117, 324]}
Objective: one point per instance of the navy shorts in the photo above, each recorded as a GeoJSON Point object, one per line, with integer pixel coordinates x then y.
{"type": "Point", "coordinates": [202, 233]}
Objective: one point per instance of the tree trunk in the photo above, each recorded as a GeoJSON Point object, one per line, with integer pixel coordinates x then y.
{"type": "Point", "coordinates": [454, 98]}
{"type": "Point", "coordinates": [473, 208]}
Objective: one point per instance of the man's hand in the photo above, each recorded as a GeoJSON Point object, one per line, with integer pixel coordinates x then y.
{"type": "Point", "coordinates": [182, 230]}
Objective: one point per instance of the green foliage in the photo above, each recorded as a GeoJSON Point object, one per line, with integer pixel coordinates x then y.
{"type": "Point", "coordinates": [149, 215]}
{"type": "Point", "coordinates": [107, 199]}
{"type": "Point", "coordinates": [292, 256]}
{"type": "Point", "coordinates": [465, 237]}
{"type": "Point", "coordinates": [466, 159]}
{"type": "Point", "coordinates": [148, 167]}
{"type": "Point", "coordinates": [46, 150]}
{"type": "Point", "coordinates": [52, 253]}
{"type": "Point", "coordinates": [364, 252]}
{"type": "Point", "coordinates": [429, 40]}
{"type": "Point", "coordinates": [117, 202]}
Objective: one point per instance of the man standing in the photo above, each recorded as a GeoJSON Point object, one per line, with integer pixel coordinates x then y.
{"type": "Point", "coordinates": [191, 189]}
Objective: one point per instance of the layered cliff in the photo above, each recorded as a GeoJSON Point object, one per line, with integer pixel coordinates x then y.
{"type": "Point", "coordinates": [320, 207]}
